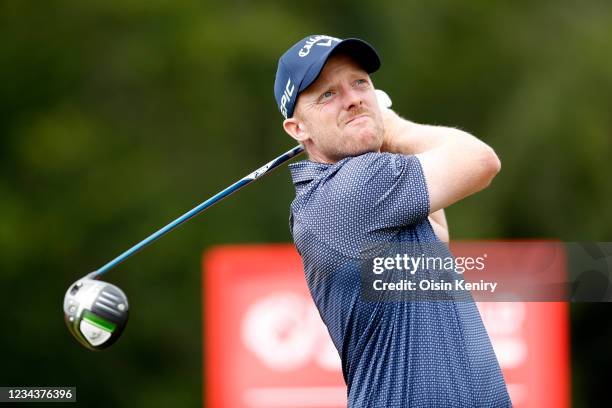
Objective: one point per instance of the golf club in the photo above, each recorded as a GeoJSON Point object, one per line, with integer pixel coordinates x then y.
{"type": "Point", "coordinates": [96, 312]}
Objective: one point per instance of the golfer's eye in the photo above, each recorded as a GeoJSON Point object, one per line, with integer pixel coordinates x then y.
{"type": "Point", "coordinates": [326, 95]}
{"type": "Point", "coordinates": [361, 82]}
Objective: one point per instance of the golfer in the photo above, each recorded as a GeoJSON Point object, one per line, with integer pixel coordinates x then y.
{"type": "Point", "coordinates": [372, 178]}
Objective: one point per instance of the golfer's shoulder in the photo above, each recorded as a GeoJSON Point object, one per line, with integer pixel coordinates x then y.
{"type": "Point", "coordinates": [368, 167]}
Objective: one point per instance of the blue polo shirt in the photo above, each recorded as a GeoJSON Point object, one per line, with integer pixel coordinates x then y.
{"type": "Point", "coordinates": [394, 353]}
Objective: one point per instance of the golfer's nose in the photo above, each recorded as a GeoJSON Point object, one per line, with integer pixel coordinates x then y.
{"type": "Point", "coordinates": [352, 98]}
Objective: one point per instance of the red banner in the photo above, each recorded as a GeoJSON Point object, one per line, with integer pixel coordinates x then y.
{"type": "Point", "coordinates": [265, 344]}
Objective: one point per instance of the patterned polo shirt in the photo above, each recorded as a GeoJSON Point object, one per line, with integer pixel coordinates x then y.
{"type": "Point", "coordinates": [394, 353]}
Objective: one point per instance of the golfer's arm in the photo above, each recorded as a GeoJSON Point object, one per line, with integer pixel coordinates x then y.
{"type": "Point", "coordinates": [439, 225]}
{"type": "Point", "coordinates": [455, 163]}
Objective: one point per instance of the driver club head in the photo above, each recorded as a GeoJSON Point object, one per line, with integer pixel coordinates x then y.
{"type": "Point", "coordinates": [95, 312]}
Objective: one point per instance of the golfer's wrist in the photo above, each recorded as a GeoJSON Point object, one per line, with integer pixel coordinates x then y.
{"type": "Point", "coordinates": [397, 135]}
{"type": "Point", "coordinates": [391, 123]}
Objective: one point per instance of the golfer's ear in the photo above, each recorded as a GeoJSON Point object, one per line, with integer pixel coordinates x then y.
{"type": "Point", "coordinates": [295, 128]}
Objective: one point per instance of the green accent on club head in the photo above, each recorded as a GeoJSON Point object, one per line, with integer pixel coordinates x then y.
{"type": "Point", "coordinates": [98, 321]}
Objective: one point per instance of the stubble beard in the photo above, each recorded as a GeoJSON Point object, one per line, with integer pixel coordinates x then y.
{"type": "Point", "coordinates": [355, 142]}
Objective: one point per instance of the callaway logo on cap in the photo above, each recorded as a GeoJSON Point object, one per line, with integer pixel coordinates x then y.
{"type": "Point", "coordinates": [301, 65]}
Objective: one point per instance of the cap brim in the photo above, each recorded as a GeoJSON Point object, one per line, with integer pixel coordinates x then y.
{"type": "Point", "coordinates": [362, 52]}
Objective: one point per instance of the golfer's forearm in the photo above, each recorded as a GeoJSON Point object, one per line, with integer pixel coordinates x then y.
{"type": "Point", "coordinates": [437, 220]}
{"type": "Point", "coordinates": [406, 137]}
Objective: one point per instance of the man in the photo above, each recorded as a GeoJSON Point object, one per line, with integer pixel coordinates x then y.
{"type": "Point", "coordinates": [375, 178]}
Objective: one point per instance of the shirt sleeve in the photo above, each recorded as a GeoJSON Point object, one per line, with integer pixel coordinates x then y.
{"type": "Point", "coordinates": [381, 190]}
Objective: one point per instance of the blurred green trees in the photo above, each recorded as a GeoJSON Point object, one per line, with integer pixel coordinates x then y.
{"type": "Point", "coordinates": [116, 117]}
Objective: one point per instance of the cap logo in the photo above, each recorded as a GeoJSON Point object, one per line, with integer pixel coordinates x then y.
{"type": "Point", "coordinates": [319, 40]}
{"type": "Point", "coordinates": [286, 97]}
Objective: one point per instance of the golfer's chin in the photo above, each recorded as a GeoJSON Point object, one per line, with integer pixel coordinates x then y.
{"type": "Point", "coordinates": [367, 140]}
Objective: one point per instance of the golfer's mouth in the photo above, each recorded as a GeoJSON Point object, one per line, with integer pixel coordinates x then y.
{"type": "Point", "coordinates": [357, 118]}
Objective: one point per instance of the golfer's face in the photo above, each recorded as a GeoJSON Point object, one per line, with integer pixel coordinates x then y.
{"type": "Point", "coordinates": [340, 112]}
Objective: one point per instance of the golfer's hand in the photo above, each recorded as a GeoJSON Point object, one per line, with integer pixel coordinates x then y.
{"type": "Point", "coordinates": [391, 121]}
{"type": "Point", "coordinates": [384, 101]}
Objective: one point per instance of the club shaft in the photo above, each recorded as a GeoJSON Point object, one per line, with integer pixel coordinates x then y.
{"type": "Point", "coordinates": [197, 210]}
